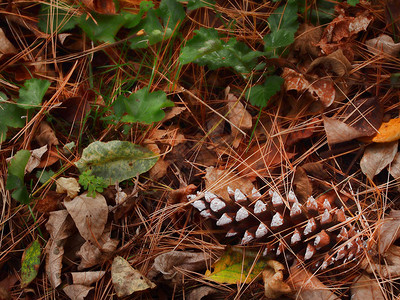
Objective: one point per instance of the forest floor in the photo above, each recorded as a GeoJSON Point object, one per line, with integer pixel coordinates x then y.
{"type": "Point", "coordinates": [199, 149]}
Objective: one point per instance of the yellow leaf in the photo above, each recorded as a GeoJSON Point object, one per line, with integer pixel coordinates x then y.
{"type": "Point", "coordinates": [388, 132]}
{"type": "Point", "coordinates": [236, 265]}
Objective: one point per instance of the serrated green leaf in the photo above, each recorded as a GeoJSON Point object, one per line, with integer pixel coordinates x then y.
{"type": "Point", "coordinates": [116, 160]}
{"type": "Point", "coordinates": [30, 263]}
{"type": "Point", "coordinates": [143, 106]}
{"type": "Point", "coordinates": [32, 93]}
{"type": "Point", "coordinates": [259, 95]}
{"type": "Point", "coordinates": [283, 24]}
{"type": "Point", "coordinates": [236, 266]}
{"type": "Point", "coordinates": [54, 18]}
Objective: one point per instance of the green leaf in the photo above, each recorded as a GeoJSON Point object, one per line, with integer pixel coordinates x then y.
{"type": "Point", "coordinates": [133, 20]}
{"type": "Point", "coordinates": [30, 263]}
{"type": "Point", "coordinates": [143, 106]}
{"type": "Point", "coordinates": [105, 28]}
{"type": "Point", "coordinates": [283, 25]}
{"type": "Point", "coordinates": [353, 2]}
{"type": "Point", "coordinates": [15, 178]}
{"type": "Point", "coordinates": [236, 265]}
{"type": "Point", "coordinates": [54, 18]}
{"type": "Point", "coordinates": [206, 48]}
{"type": "Point", "coordinates": [32, 93]}
{"type": "Point", "coordinates": [321, 12]}
{"type": "Point", "coordinates": [116, 160]}
{"type": "Point", "coordinates": [259, 95]}
{"type": "Point", "coordinates": [11, 115]}
{"type": "Point", "coordinates": [195, 4]}
{"type": "Point", "coordinates": [171, 12]}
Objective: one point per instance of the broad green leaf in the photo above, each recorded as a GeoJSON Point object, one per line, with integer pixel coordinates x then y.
{"type": "Point", "coordinates": [259, 95]}
{"type": "Point", "coordinates": [11, 115]}
{"type": "Point", "coordinates": [15, 178]}
{"type": "Point", "coordinates": [171, 12]}
{"type": "Point", "coordinates": [134, 20]}
{"type": "Point", "coordinates": [236, 265]}
{"type": "Point", "coordinates": [143, 106]}
{"type": "Point", "coordinates": [54, 18]}
{"type": "Point", "coordinates": [105, 28]}
{"type": "Point", "coordinates": [283, 25]}
{"type": "Point", "coordinates": [116, 160]}
{"type": "Point", "coordinates": [32, 93]}
{"type": "Point", "coordinates": [30, 263]}
{"type": "Point", "coordinates": [3, 132]}
{"type": "Point", "coordinates": [195, 4]}
{"type": "Point", "coordinates": [353, 2]}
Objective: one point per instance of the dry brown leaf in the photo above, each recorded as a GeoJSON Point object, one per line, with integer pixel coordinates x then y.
{"type": "Point", "coordinates": [167, 263]}
{"type": "Point", "coordinates": [87, 278]}
{"type": "Point", "coordinates": [338, 131]}
{"type": "Point", "coordinates": [335, 62]}
{"type": "Point", "coordinates": [60, 226]}
{"type": "Point", "coordinates": [274, 286]}
{"type": "Point", "coordinates": [159, 170]}
{"type": "Point", "coordinates": [389, 231]}
{"type": "Point", "coordinates": [200, 292]}
{"type": "Point", "coordinates": [383, 43]}
{"type": "Point", "coordinates": [127, 280]}
{"type": "Point", "coordinates": [307, 286]}
{"type": "Point", "coordinates": [302, 185]}
{"type": "Point", "coordinates": [51, 201]}
{"type": "Point", "coordinates": [217, 181]}
{"type": "Point", "coordinates": [303, 132]}
{"type": "Point", "coordinates": [306, 39]}
{"type": "Point", "coordinates": [89, 214]}
{"type": "Point", "coordinates": [46, 135]}
{"type": "Point", "coordinates": [377, 157]}
{"type": "Point", "coordinates": [35, 158]}
{"type": "Point", "coordinates": [238, 116]}
{"type": "Point", "coordinates": [6, 47]}
{"type": "Point", "coordinates": [91, 254]}
{"type": "Point", "coordinates": [366, 288]}
{"type": "Point", "coordinates": [391, 266]}
{"type": "Point", "coordinates": [6, 285]}
{"type": "Point", "coordinates": [69, 185]}
{"type": "Point", "coordinates": [49, 158]}
{"type": "Point", "coordinates": [394, 169]}
{"type": "Point", "coordinates": [173, 112]}
{"type": "Point", "coordinates": [77, 291]}
{"type": "Point", "coordinates": [101, 6]}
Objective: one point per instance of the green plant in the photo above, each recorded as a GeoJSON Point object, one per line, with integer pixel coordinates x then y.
{"type": "Point", "coordinates": [15, 178]}
{"type": "Point", "coordinates": [93, 184]}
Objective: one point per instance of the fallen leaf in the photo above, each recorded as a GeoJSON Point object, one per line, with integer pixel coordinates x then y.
{"type": "Point", "coordinates": [77, 291]}
{"type": "Point", "coordinates": [238, 116]}
{"type": "Point", "coordinates": [101, 6]}
{"type": "Point", "coordinates": [35, 158]}
{"type": "Point", "coordinates": [302, 185]}
{"type": "Point", "coordinates": [376, 157]}
{"type": "Point", "coordinates": [49, 158]}
{"type": "Point", "coordinates": [274, 286]}
{"type": "Point", "coordinates": [6, 285]}
{"type": "Point", "coordinates": [69, 185]}
{"type": "Point", "coordinates": [236, 266]}
{"type": "Point", "coordinates": [92, 255]}
{"type": "Point", "coordinates": [394, 169]}
{"type": "Point", "coordinates": [200, 292]}
{"type": "Point", "coordinates": [46, 135]}
{"type": "Point", "coordinates": [6, 47]}
{"type": "Point", "coordinates": [116, 160]}
{"type": "Point", "coordinates": [167, 264]}
{"type": "Point", "coordinates": [307, 37]}
{"type": "Point", "coordinates": [87, 278]}
{"type": "Point", "coordinates": [390, 267]}
{"type": "Point", "coordinates": [217, 181]}
{"type": "Point", "coordinates": [127, 280]}
{"type": "Point", "coordinates": [159, 170]}
{"type": "Point", "coordinates": [366, 288]}
{"type": "Point", "coordinates": [60, 226]}
{"type": "Point", "coordinates": [338, 131]}
{"type": "Point", "coordinates": [307, 286]}
{"type": "Point", "coordinates": [383, 44]}
{"type": "Point", "coordinates": [30, 263]}
{"type": "Point", "coordinates": [389, 231]}
{"type": "Point", "coordinates": [335, 62]}
{"type": "Point", "coordinates": [89, 214]}
{"type": "Point", "coordinates": [173, 112]}
{"type": "Point", "coordinates": [388, 132]}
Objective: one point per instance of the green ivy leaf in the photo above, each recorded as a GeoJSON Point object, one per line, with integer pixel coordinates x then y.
{"type": "Point", "coordinates": [105, 28]}
{"type": "Point", "coordinates": [55, 19]}
{"type": "Point", "coordinates": [142, 106]}
{"type": "Point", "coordinates": [283, 25]}
{"type": "Point", "coordinates": [259, 95]}
{"type": "Point", "coordinates": [116, 160]}
{"type": "Point", "coordinates": [15, 178]}
{"type": "Point", "coordinates": [32, 93]}
{"type": "Point", "coordinates": [30, 263]}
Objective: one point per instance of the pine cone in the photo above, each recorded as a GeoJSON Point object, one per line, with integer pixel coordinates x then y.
{"type": "Point", "coordinates": [318, 232]}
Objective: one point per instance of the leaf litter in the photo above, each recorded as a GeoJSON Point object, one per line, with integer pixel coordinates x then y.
{"type": "Point", "coordinates": [319, 116]}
